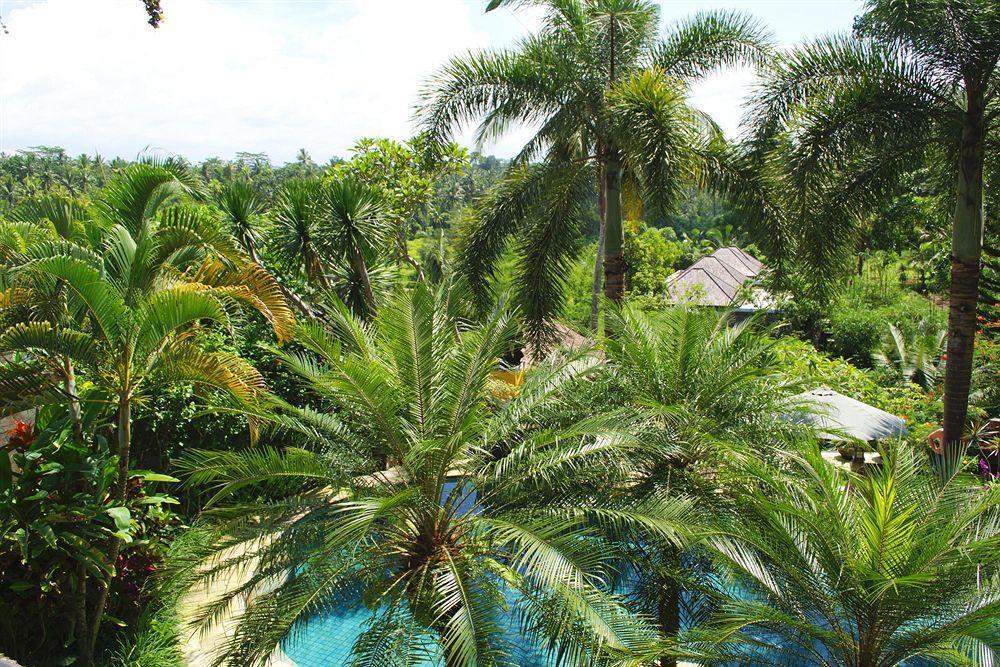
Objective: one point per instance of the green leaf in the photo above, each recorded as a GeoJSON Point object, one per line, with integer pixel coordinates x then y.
{"type": "Point", "coordinates": [45, 530]}
{"type": "Point", "coordinates": [159, 500]}
{"type": "Point", "coordinates": [150, 476]}
{"type": "Point", "coordinates": [122, 517]}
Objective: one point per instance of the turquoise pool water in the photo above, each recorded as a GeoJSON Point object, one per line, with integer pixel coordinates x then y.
{"type": "Point", "coordinates": [327, 641]}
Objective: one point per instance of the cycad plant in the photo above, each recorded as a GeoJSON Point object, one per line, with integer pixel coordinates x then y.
{"type": "Point", "coordinates": [896, 565]}
{"type": "Point", "coordinates": [708, 393]}
{"type": "Point", "coordinates": [609, 97]}
{"type": "Point", "coordinates": [446, 546]}
{"type": "Point", "coordinates": [916, 83]}
{"type": "Point", "coordinates": [154, 273]}
{"type": "Point", "coordinates": [917, 357]}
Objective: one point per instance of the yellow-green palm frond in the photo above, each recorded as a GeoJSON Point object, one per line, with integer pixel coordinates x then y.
{"type": "Point", "coordinates": [169, 312]}
{"type": "Point", "coordinates": [133, 198]}
{"type": "Point", "coordinates": [27, 383]}
{"type": "Point", "coordinates": [225, 372]}
{"type": "Point", "coordinates": [45, 339]}
{"type": "Point", "coordinates": [77, 269]}
{"type": "Point", "coordinates": [16, 237]}
{"type": "Point", "coordinates": [14, 296]}
{"type": "Point", "coordinates": [254, 285]}
{"type": "Point", "coordinates": [63, 215]}
{"type": "Point", "coordinates": [186, 235]}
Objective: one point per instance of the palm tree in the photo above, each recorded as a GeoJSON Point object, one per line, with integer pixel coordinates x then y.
{"type": "Point", "coordinates": [338, 219]}
{"type": "Point", "coordinates": [245, 210]}
{"type": "Point", "coordinates": [897, 564]}
{"type": "Point", "coordinates": [155, 273]}
{"type": "Point", "coordinates": [36, 221]}
{"type": "Point", "coordinates": [918, 81]}
{"type": "Point", "coordinates": [709, 393]}
{"type": "Point", "coordinates": [443, 543]}
{"type": "Point", "coordinates": [609, 97]}
{"type": "Point", "coordinates": [917, 357]}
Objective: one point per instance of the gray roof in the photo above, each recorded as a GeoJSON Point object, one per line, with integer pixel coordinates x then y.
{"type": "Point", "coordinates": [840, 417]}
{"type": "Point", "coordinates": [717, 279]}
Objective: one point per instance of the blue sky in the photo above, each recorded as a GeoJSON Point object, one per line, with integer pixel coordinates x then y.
{"type": "Point", "coordinates": [221, 76]}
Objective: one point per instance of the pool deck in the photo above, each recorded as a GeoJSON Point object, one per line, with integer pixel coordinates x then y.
{"type": "Point", "coordinates": [201, 645]}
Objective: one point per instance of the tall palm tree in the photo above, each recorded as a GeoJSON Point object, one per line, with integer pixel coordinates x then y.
{"type": "Point", "coordinates": [897, 564]}
{"type": "Point", "coordinates": [708, 393]}
{"type": "Point", "coordinates": [444, 544]}
{"type": "Point", "coordinates": [918, 81]}
{"type": "Point", "coordinates": [156, 272]}
{"type": "Point", "coordinates": [609, 97]}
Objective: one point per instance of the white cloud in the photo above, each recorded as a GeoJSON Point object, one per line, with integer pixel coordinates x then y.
{"type": "Point", "coordinates": [217, 78]}
{"type": "Point", "coordinates": [222, 76]}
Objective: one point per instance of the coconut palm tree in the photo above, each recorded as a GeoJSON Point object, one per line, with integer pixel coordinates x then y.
{"type": "Point", "coordinates": [709, 393]}
{"type": "Point", "coordinates": [918, 81]}
{"type": "Point", "coordinates": [443, 546]}
{"type": "Point", "coordinates": [610, 99]}
{"type": "Point", "coordinates": [155, 273]}
{"type": "Point", "coordinates": [916, 358]}
{"type": "Point", "coordinates": [896, 564]}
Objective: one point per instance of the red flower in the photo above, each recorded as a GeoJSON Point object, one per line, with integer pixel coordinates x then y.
{"type": "Point", "coordinates": [21, 435]}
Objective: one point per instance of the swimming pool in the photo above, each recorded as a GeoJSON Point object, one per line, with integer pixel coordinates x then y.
{"type": "Point", "coordinates": [327, 642]}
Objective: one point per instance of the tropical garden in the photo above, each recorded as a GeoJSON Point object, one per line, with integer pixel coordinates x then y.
{"type": "Point", "coordinates": [453, 393]}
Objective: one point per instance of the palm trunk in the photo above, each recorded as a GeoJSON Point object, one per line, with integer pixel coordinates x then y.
{"type": "Point", "coordinates": [614, 255]}
{"type": "Point", "coordinates": [669, 608]}
{"type": "Point", "coordinates": [967, 247]}
{"type": "Point", "coordinates": [595, 295]}
{"type": "Point", "coordinates": [121, 489]}
{"type": "Point", "coordinates": [358, 264]}
{"type": "Point", "coordinates": [80, 628]}
{"type": "Point", "coordinates": [69, 382]}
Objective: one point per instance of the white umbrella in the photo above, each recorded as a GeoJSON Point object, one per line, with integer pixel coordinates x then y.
{"type": "Point", "coordinates": [840, 417]}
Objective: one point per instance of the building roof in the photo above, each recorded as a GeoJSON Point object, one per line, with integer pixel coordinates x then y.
{"type": "Point", "coordinates": [562, 339]}
{"type": "Point", "coordinates": [839, 417]}
{"type": "Point", "coordinates": [718, 280]}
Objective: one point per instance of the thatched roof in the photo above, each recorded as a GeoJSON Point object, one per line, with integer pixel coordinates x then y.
{"type": "Point", "coordinates": [562, 338]}
{"type": "Point", "coordinates": [840, 417]}
{"type": "Point", "coordinates": [718, 280]}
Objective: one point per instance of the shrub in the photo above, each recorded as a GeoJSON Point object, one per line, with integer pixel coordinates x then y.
{"type": "Point", "coordinates": [650, 257]}
{"type": "Point", "coordinates": [856, 333]}
{"type": "Point", "coordinates": [859, 320]}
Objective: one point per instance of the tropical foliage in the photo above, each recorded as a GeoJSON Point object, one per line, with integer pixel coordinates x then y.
{"type": "Point", "coordinates": [368, 372]}
{"type": "Point", "coordinates": [875, 572]}
{"type": "Point", "coordinates": [610, 99]}
{"type": "Point", "coordinates": [449, 545]}
{"type": "Point", "coordinates": [849, 116]}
